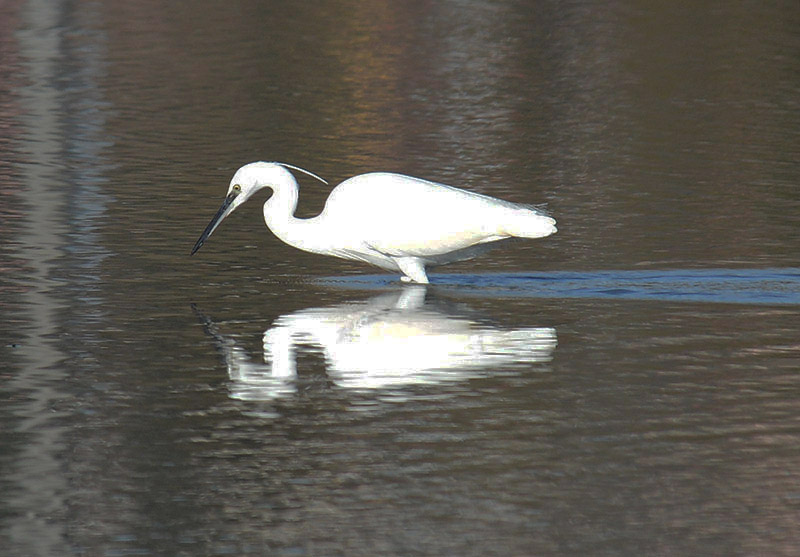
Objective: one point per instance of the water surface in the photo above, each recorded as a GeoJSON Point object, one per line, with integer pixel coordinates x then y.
{"type": "Point", "coordinates": [627, 386]}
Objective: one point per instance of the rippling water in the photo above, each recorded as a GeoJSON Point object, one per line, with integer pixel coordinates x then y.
{"type": "Point", "coordinates": [733, 286]}
{"type": "Point", "coordinates": [627, 386]}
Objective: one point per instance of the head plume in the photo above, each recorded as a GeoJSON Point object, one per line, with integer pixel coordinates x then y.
{"type": "Point", "coordinates": [303, 170]}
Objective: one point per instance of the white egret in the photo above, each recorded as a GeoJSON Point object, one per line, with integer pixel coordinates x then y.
{"type": "Point", "coordinates": [396, 222]}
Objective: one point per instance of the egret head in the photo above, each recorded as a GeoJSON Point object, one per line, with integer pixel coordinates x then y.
{"type": "Point", "coordinates": [248, 180]}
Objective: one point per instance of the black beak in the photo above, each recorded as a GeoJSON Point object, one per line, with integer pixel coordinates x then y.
{"type": "Point", "coordinates": [221, 214]}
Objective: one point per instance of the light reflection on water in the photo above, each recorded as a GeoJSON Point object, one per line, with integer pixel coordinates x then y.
{"type": "Point", "coordinates": [665, 420]}
{"type": "Point", "coordinates": [389, 341]}
{"type": "Point", "coordinates": [734, 286]}
{"type": "Point", "coordinates": [59, 173]}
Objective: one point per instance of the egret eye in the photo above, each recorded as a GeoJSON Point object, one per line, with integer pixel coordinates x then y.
{"type": "Point", "coordinates": [237, 188]}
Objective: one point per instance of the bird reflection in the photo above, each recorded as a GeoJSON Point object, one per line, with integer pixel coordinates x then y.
{"type": "Point", "coordinates": [391, 340]}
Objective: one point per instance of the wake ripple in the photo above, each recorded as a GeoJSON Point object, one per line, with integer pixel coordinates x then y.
{"type": "Point", "coordinates": [732, 286]}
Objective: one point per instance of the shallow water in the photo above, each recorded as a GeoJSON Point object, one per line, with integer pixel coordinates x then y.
{"type": "Point", "coordinates": [628, 386]}
{"type": "Point", "coordinates": [732, 286]}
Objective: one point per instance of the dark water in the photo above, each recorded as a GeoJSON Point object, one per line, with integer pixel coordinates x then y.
{"type": "Point", "coordinates": [628, 386]}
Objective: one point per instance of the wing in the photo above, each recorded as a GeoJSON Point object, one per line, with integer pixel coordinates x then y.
{"type": "Point", "coordinates": [403, 216]}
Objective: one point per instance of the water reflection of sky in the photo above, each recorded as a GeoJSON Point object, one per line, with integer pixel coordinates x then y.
{"type": "Point", "coordinates": [733, 286]}
{"type": "Point", "coordinates": [58, 121]}
{"type": "Point", "coordinates": [662, 136]}
{"type": "Point", "coordinates": [389, 341]}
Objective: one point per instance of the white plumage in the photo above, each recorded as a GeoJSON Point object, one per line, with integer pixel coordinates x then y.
{"type": "Point", "coordinates": [396, 222]}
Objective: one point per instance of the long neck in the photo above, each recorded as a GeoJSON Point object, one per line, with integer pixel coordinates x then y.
{"type": "Point", "coordinates": [279, 216]}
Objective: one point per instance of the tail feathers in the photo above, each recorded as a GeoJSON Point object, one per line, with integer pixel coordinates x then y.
{"type": "Point", "coordinates": [530, 226]}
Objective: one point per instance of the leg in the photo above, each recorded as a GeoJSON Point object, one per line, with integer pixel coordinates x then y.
{"type": "Point", "coordinates": [413, 268]}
